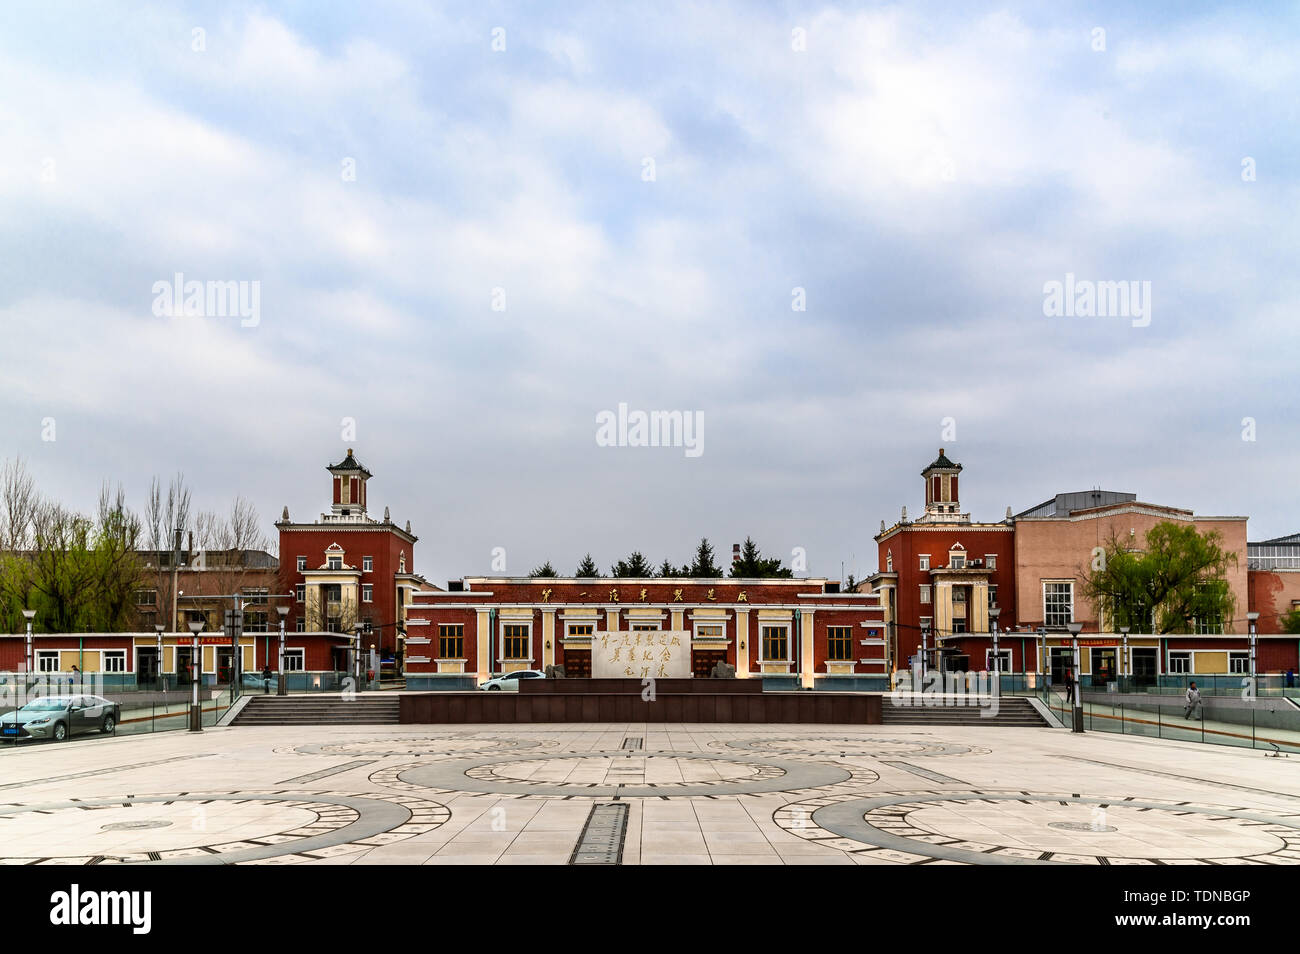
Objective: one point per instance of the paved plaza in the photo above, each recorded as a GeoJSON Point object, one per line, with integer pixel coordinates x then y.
{"type": "Point", "coordinates": [645, 794]}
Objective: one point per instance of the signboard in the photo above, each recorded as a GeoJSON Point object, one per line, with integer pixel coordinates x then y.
{"type": "Point", "coordinates": [662, 654]}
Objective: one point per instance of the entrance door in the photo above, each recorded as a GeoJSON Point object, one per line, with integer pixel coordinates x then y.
{"type": "Point", "coordinates": [225, 665]}
{"type": "Point", "coordinates": [703, 661]}
{"type": "Point", "coordinates": [184, 673]}
{"type": "Point", "coordinates": [1062, 661]}
{"type": "Point", "coordinates": [577, 663]}
{"type": "Point", "coordinates": [1144, 667]}
{"type": "Point", "coordinates": [1103, 667]}
{"type": "Point", "coordinates": [146, 665]}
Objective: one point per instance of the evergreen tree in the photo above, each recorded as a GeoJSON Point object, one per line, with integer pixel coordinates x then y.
{"type": "Point", "coordinates": [544, 570]}
{"type": "Point", "coordinates": [587, 568]}
{"type": "Point", "coordinates": [753, 565]}
{"type": "Point", "coordinates": [704, 566]}
{"type": "Point", "coordinates": [633, 566]}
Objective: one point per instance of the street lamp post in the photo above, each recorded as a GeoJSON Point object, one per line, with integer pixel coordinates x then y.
{"type": "Point", "coordinates": [997, 660]}
{"type": "Point", "coordinates": [1253, 684]}
{"type": "Point", "coordinates": [356, 654]}
{"type": "Point", "coordinates": [30, 653]}
{"type": "Point", "coordinates": [1076, 695]}
{"type": "Point", "coordinates": [281, 683]}
{"type": "Point", "coordinates": [1126, 664]}
{"type": "Point", "coordinates": [925, 643]}
{"type": "Point", "coordinates": [158, 666]}
{"type": "Point", "coordinates": [196, 668]}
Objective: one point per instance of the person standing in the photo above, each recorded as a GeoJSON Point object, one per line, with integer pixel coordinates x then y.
{"type": "Point", "coordinates": [266, 679]}
{"type": "Point", "coordinates": [1193, 700]}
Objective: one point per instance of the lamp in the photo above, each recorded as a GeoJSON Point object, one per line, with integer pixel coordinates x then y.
{"type": "Point", "coordinates": [31, 659]}
{"type": "Point", "coordinates": [994, 612]}
{"type": "Point", "coordinates": [1075, 629]}
{"type": "Point", "coordinates": [196, 673]}
{"type": "Point", "coordinates": [1252, 617]}
{"type": "Point", "coordinates": [281, 684]}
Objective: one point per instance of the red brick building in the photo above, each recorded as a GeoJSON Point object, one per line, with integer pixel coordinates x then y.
{"type": "Point", "coordinates": [942, 571]}
{"type": "Point", "coordinates": [798, 630]}
{"type": "Point", "coordinates": [348, 569]}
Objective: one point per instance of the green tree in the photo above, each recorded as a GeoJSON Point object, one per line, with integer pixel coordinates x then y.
{"type": "Point", "coordinates": [1290, 620]}
{"type": "Point", "coordinates": [633, 566]}
{"type": "Point", "coordinates": [1181, 574]}
{"type": "Point", "coordinates": [703, 565]}
{"type": "Point", "coordinates": [587, 568]}
{"type": "Point", "coordinates": [753, 565]}
{"type": "Point", "coordinates": [544, 570]}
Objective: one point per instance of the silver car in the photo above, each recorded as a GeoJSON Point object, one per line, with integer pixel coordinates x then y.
{"type": "Point", "coordinates": [510, 681]}
{"type": "Point", "coordinates": [57, 717]}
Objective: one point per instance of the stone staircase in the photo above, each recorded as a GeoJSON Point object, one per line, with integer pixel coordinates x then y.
{"type": "Point", "coordinates": [1012, 711]}
{"type": "Point", "coordinates": [365, 709]}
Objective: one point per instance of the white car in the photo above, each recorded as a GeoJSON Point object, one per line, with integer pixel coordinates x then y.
{"type": "Point", "coordinates": [510, 681]}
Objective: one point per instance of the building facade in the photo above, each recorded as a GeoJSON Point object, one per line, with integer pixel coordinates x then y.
{"type": "Point", "coordinates": [798, 631]}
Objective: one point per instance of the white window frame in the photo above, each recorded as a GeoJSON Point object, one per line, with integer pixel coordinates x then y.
{"type": "Point", "coordinates": [501, 640]}
{"type": "Point", "coordinates": [295, 652]}
{"type": "Point", "coordinates": [924, 561]}
{"type": "Point", "coordinates": [569, 626]}
{"type": "Point", "coordinates": [300, 626]}
{"type": "Point", "coordinates": [925, 594]}
{"type": "Point", "coordinates": [1070, 584]}
{"type": "Point", "coordinates": [43, 656]}
{"type": "Point", "coordinates": [762, 642]}
{"type": "Point", "coordinates": [992, 589]}
{"type": "Point", "coordinates": [334, 562]}
{"type": "Point", "coordinates": [367, 564]}
{"type": "Point", "coordinates": [117, 655]}
{"type": "Point", "coordinates": [1003, 653]}
{"type": "Point", "coordinates": [302, 564]}
{"type": "Point", "coordinates": [711, 624]}
{"type": "Point", "coordinates": [956, 561]}
{"type": "Point", "coordinates": [990, 561]}
{"type": "Point", "coordinates": [367, 592]}
{"type": "Point", "coordinates": [889, 561]}
{"type": "Point", "coordinates": [1239, 658]}
{"type": "Point", "coordinates": [1183, 656]}
{"type": "Point", "coordinates": [300, 593]}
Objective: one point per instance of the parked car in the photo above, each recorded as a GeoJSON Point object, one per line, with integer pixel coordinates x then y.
{"type": "Point", "coordinates": [510, 681]}
{"type": "Point", "coordinates": [57, 717]}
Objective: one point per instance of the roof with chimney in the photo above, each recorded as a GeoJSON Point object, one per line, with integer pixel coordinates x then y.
{"type": "Point", "coordinates": [941, 463]}
{"type": "Point", "coordinates": [349, 463]}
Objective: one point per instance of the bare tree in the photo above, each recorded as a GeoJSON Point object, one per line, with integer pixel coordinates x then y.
{"type": "Point", "coordinates": [18, 504]}
{"type": "Point", "coordinates": [162, 517]}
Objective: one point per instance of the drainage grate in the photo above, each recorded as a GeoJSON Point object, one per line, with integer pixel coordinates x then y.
{"type": "Point", "coordinates": [633, 742]}
{"type": "Point", "coordinates": [601, 841]}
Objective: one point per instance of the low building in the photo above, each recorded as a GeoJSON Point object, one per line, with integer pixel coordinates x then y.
{"type": "Point", "coordinates": [796, 631]}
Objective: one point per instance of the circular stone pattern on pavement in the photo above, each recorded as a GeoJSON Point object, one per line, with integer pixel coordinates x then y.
{"type": "Point", "coordinates": [210, 828]}
{"type": "Point", "coordinates": [872, 748]}
{"type": "Point", "coordinates": [622, 773]}
{"type": "Point", "coordinates": [455, 746]}
{"type": "Point", "coordinates": [995, 828]}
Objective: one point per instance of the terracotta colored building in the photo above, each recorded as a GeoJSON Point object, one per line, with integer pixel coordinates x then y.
{"type": "Point", "coordinates": [347, 569]}
{"type": "Point", "coordinates": [796, 630]}
{"type": "Point", "coordinates": [943, 571]}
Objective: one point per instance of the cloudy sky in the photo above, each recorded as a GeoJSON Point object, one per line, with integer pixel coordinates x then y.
{"type": "Point", "coordinates": [474, 227]}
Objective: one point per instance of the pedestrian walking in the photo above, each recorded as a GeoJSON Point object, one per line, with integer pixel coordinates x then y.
{"type": "Point", "coordinates": [1193, 700]}
{"type": "Point", "coordinates": [266, 679]}
{"type": "Point", "coordinates": [1069, 686]}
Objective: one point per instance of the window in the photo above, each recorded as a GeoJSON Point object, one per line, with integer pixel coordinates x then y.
{"type": "Point", "coordinates": [47, 660]}
{"type": "Point", "coordinates": [1058, 603]}
{"type": "Point", "coordinates": [993, 594]}
{"type": "Point", "coordinates": [115, 660]}
{"type": "Point", "coordinates": [709, 631]}
{"type": "Point", "coordinates": [645, 627]}
{"type": "Point", "coordinates": [925, 561]}
{"type": "Point", "coordinates": [335, 563]}
{"type": "Point", "coordinates": [451, 641]}
{"type": "Point", "coordinates": [889, 561]}
{"type": "Point", "coordinates": [302, 564]}
{"type": "Point", "coordinates": [959, 595]}
{"type": "Point", "coordinates": [957, 561]}
{"type": "Point", "coordinates": [925, 592]}
{"type": "Point", "coordinates": [1180, 662]}
{"type": "Point", "coordinates": [1209, 624]}
{"type": "Point", "coordinates": [255, 622]}
{"type": "Point", "coordinates": [367, 564]}
{"type": "Point", "coordinates": [776, 643]}
{"type": "Point", "coordinates": [959, 625]}
{"type": "Point", "coordinates": [256, 595]}
{"type": "Point", "coordinates": [367, 593]}
{"type": "Point", "coordinates": [991, 561]}
{"type": "Point", "coordinates": [295, 660]}
{"type": "Point", "coordinates": [839, 643]}
{"type": "Point", "coordinates": [1003, 659]}
{"type": "Point", "coordinates": [581, 629]}
{"type": "Point", "coordinates": [146, 597]}
{"type": "Point", "coordinates": [300, 592]}
{"type": "Point", "coordinates": [516, 641]}
{"type": "Point", "coordinates": [300, 626]}
{"type": "Point", "coordinates": [1239, 663]}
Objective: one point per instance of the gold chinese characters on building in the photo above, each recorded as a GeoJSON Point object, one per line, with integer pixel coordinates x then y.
{"type": "Point", "coordinates": [644, 654]}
